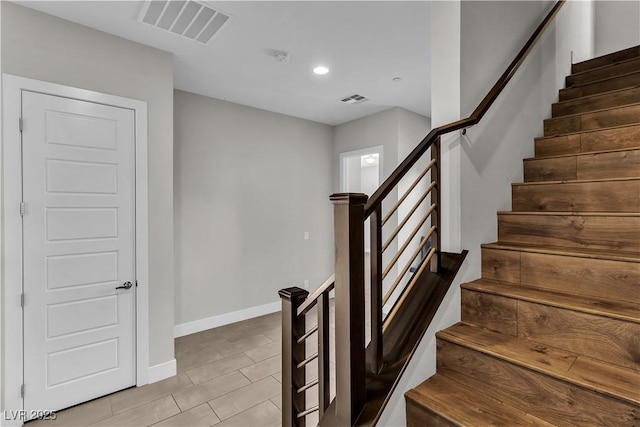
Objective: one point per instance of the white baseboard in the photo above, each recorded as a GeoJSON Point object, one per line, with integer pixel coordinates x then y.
{"type": "Point", "coordinates": [224, 319]}
{"type": "Point", "coordinates": [162, 371]}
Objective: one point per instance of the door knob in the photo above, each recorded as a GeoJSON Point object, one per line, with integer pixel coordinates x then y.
{"type": "Point", "coordinates": [125, 285]}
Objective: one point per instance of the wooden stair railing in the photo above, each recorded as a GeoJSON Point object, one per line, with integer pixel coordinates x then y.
{"type": "Point", "coordinates": [354, 358]}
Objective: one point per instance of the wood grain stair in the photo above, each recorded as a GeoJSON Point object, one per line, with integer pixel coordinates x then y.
{"type": "Point", "coordinates": [606, 85]}
{"type": "Point", "coordinates": [613, 138]}
{"type": "Point", "coordinates": [599, 73]}
{"type": "Point", "coordinates": [595, 102]}
{"type": "Point", "coordinates": [594, 165]}
{"type": "Point", "coordinates": [550, 335]}
{"type": "Point", "coordinates": [600, 195]}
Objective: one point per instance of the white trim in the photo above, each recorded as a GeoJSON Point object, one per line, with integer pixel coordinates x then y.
{"type": "Point", "coordinates": [357, 153]}
{"type": "Point", "coordinates": [224, 319]}
{"type": "Point", "coordinates": [12, 226]}
{"type": "Point", "coordinates": [164, 370]}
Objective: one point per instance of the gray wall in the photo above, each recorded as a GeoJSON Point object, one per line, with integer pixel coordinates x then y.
{"type": "Point", "coordinates": [43, 47]}
{"type": "Point", "coordinates": [248, 184]}
{"type": "Point", "coordinates": [617, 25]}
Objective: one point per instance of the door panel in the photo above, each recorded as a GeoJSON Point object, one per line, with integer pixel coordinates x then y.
{"type": "Point", "coordinates": [79, 245]}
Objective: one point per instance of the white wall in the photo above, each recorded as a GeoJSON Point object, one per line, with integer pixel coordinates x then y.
{"type": "Point", "coordinates": [617, 25]}
{"type": "Point", "coordinates": [43, 47]}
{"type": "Point", "coordinates": [248, 184]}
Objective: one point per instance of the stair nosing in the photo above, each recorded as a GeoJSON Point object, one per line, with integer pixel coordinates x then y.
{"type": "Point", "coordinates": [593, 95]}
{"type": "Point", "coordinates": [575, 181]}
{"type": "Point", "coordinates": [581, 73]}
{"type": "Point", "coordinates": [448, 336]}
{"type": "Point", "coordinates": [541, 138]}
{"type": "Point", "coordinates": [593, 83]}
{"type": "Point", "coordinates": [562, 213]}
{"type": "Point", "coordinates": [566, 251]}
{"type": "Point", "coordinates": [594, 112]}
{"type": "Point", "coordinates": [607, 65]}
{"type": "Point", "coordinates": [590, 153]}
{"type": "Point", "coordinates": [584, 308]}
{"type": "Point", "coordinates": [415, 393]}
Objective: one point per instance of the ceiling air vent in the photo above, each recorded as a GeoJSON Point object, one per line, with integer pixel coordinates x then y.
{"type": "Point", "coordinates": [190, 19]}
{"type": "Point", "coordinates": [354, 99]}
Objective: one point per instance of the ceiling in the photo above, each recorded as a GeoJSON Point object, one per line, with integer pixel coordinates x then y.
{"type": "Point", "coordinates": [366, 44]}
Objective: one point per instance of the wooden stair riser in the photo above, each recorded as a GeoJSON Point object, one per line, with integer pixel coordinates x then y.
{"type": "Point", "coordinates": [602, 86]}
{"type": "Point", "coordinates": [592, 277]}
{"type": "Point", "coordinates": [583, 196]}
{"type": "Point", "coordinates": [419, 416]}
{"type": "Point", "coordinates": [590, 121]}
{"type": "Point", "coordinates": [610, 340]}
{"type": "Point", "coordinates": [604, 165]}
{"type": "Point", "coordinates": [600, 140]}
{"type": "Point", "coordinates": [610, 59]}
{"type": "Point", "coordinates": [594, 75]}
{"type": "Point", "coordinates": [596, 102]}
{"type": "Point", "coordinates": [615, 232]}
{"type": "Point", "coordinates": [552, 400]}
{"type": "Point", "coordinates": [603, 338]}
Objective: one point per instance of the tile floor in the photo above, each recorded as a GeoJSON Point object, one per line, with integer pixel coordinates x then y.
{"type": "Point", "coordinates": [227, 376]}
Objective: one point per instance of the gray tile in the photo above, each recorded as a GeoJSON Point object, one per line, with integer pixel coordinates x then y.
{"type": "Point", "coordinates": [200, 416]}
{"type": "Point", "coordinates": [218, 368]}
{"type": "Point", "coordinates": [201, 393]}
{"type": "Point", "coordinates": [144, 415]}
{"type": "Point", "coordinates": [137, 396]}
{"type": "Point", "coordinates": [278, 376]}
{"type": "Point", "coordinates": [263, 369]}
{"type": "Point", "coordinates": [264, 414]}
{"type": "Point", "coordinates": [246, 397]}
{"type": "Point", "coordinates": [201, 356]}
{"type": "Point", "coordinates": [264, 351]}
{"type": "Point", "coordinates": [244, 344]}
{"type": "Point", "coordinates": [277, 401]}
{"type": "Point", "coordinates": [274, 333]}
{"type": "Point", "coordinates": [81, 415]}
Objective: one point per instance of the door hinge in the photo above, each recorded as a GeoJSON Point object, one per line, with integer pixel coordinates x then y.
{"type": "Point", "coordinates": [22, 300]}
{"type": "Point", "coordinates": [22, 208]}
{"type": "Point", "coordinates": [21, 124]}
{"type": "Point", "coordinates": [22, 390]}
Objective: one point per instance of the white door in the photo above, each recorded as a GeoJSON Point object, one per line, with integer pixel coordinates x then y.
{"type": "Point", "coordinates": [79, 246]}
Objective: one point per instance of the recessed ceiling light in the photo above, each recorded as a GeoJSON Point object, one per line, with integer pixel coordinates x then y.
{"type": "Point", "coordinates": [321, 70]}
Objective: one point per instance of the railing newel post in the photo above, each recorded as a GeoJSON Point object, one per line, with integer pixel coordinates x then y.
{"type": "Point", "coordinates": [293, 327]}
{"type": "Point", "coordinates": [349, 305]}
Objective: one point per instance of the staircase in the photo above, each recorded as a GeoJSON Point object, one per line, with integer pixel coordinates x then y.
{"type": "Point", "coordinates": [550, 335]}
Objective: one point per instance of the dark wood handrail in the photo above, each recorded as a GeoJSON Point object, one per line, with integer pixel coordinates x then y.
{"type": "Point", "coordinates": [311, 299]}
{"type": "Point", "coordinates": [389, 184]}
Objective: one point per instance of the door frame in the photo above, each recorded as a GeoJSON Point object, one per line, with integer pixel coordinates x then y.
{"type": "Point", "coordinates": [12, 250]}
{"type": "Point", "coordinates": [357, 153]}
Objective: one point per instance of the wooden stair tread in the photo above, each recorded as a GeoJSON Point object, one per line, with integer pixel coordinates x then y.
{"type": "Point", "coordinates": [567, 251]}
{"type": "Point", "coordinates": [631, 94]}
{"type": "Point", "coordinates": [621, 310]}
{"type": "Point", "coordinates": [607, 60]}
{"type": "Point", "coordinates": [590, 153]}
{"type": "Point", "coordinates": [599, 86]}
{"type": "Point", "coordinates": [594, 74]}
{"type": "Point", "coordinates": [576, 181]}
{"type": "Point", "coordinates": [613, 381]}
{"type": "Point", "coordinates": [551, 213]}
{"type": "Point", "coordinates": [601, 110]}
{"type": "Point", "coordinates": [540, 138]}
{"type": "Point", "coordinates": [463, 407]}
